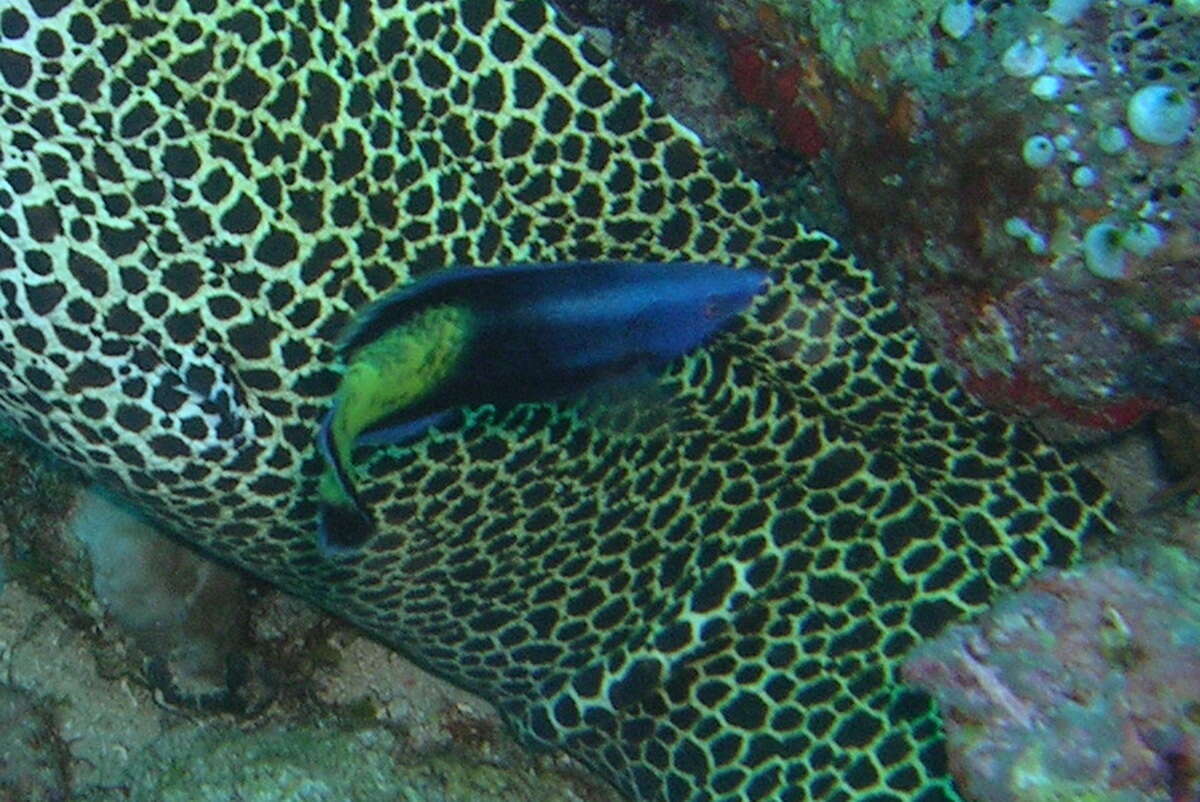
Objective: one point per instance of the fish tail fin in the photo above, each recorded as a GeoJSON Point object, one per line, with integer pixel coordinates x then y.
{"type": "Point", "coordinates": [342, 522]}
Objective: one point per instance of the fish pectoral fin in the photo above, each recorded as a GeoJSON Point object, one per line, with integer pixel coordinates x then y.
{"type": "Point", "coordinates": [637, 405]}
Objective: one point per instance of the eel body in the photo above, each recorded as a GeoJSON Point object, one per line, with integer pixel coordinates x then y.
{"type": "Point", "coordinates": [198, 196]}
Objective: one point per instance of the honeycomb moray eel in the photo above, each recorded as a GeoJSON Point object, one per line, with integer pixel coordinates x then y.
{"type": "Point", "coordinates": [196, 196]}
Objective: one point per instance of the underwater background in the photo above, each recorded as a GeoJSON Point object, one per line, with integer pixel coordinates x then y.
{"type": "Point", "coordinates": [1021, 177]}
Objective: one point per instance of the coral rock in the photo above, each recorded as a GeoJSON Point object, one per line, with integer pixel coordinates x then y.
{"type": "Point", "coordinates": [1084, 685]}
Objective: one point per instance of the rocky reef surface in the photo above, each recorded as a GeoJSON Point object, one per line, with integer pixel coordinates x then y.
{"type": "Point", "coordinates": [1084, 685]}
{"type": "Point", "coordinates": [133, 669]}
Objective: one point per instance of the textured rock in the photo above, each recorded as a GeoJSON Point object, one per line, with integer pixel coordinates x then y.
{"type": "Point", "coordinates": [306, 764]}
{"type": "Point", "coordinates": [34, 762]}
{"type": "Point", "coordinates": [1085, 684]}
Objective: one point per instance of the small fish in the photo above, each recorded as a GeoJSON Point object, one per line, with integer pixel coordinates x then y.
{"type": "Point", "coordinates": [506, 335]}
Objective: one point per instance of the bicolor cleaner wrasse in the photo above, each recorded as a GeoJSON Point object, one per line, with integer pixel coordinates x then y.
{"type": "Point", "coordinates": [506, 335]}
